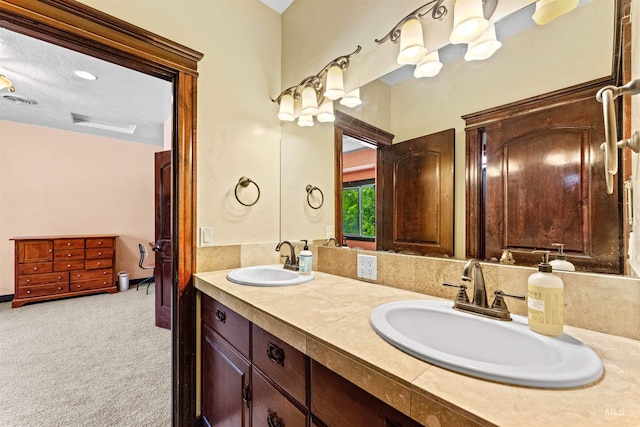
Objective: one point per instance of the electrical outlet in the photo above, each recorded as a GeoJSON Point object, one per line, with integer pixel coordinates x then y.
{"type": "Point", "coordinates": [330, 232]}
{"type": "Point", "coordinates": [368, 267]}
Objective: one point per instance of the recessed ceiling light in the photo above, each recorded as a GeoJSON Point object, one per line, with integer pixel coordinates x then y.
{"type": "Point", "coordinates": [86, 75]}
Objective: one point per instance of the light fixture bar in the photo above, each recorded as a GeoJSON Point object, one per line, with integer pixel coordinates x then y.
{"type": "Point", "coordinates": [438, 10]}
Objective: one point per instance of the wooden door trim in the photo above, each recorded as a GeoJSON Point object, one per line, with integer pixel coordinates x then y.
{"type": "Point", "coordinates": [73, 25]}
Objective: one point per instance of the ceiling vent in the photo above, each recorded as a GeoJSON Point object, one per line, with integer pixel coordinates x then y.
{"type": "Point", "coordinates": [19, 100]}
{"type": "Point", "coordinates": [92, 122]}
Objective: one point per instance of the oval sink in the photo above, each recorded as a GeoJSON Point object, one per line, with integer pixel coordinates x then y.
{"type": "Point", "coordinates": [507, 352]}
{"type": "Point", "coordinates": [267, 275]}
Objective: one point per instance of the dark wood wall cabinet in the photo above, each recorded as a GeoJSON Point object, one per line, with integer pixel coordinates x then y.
{"type": "Point", "coordinates": [252, 378]}
{"type": "Point", "coordinates": [53, 267]}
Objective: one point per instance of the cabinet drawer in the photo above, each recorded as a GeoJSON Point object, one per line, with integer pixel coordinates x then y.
{"type": "Point", "coordinates": [35, 268]}
{"type": "Point", "coordinates": [68, 265]}
{"type": "Point", "coordinates": [92, 284]}
{"type": "Point", "coordinates": [35, 251]}
{"type": "Point", "coordinates": [233, 327]}
{"type": "Point", "coordinates": [272, 408]}
{"type": "Point", "coordinates": [99, 253]}
{"type": "Point", "coordinates": [106, 242]}
{"type": "Point", "coordinates": [42, 279]}
{"type": "Point", "coordinates": [285, 365]}
{"type": "Point", "coordinates": [68, 255]}
{"type": "Point", "coordinates": [64, 244]}
{"type": "Point", "coordinates": [40, 290]}
{"type": "Point", "coordinates": [98, 263]}
{"type": "Point", "coordinates": [90, 274]}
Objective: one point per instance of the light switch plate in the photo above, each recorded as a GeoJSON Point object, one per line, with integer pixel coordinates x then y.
{"type": "Point", "coordinates": [330, 233]}
{"type": "Point", "coordinates": [206, 236]}
{"type": "Point", "coordinates": [368, 267]}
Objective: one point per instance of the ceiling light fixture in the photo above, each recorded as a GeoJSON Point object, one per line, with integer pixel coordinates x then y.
{"type": "Point", "coordinates": [351, 99]}
{"type": "Point", "coordinates": [429, 66]}
{"type": "Point", "coordinates": [85, 75]}
{"type": "Point", "coordinates": [484, 46]}
{"type": "Point", "coordinates": [310, 93]}
{"type": "Point", "coordinates": [548, 10]}
{"type": "Point", "coordinates": [468, 21]}
{"type": "Point", "coordinates": [6, 83]}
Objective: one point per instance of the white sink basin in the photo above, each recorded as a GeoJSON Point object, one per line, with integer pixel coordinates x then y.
{"type": "Point", "coordinates": [268, 275]}
{"type": "Point", "coordinates": [507, 352]}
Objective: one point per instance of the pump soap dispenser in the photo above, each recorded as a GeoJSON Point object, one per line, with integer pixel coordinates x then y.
{"type": "Point", "coordinates": [306, 260]}
{"type": "Point", "coordinates": [545, 299]}
{"type": "Point", "coordinates": [561, 263]}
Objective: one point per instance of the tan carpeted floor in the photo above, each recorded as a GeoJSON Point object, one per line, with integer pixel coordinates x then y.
{"type": "Point", "coordinates": [90, 361]}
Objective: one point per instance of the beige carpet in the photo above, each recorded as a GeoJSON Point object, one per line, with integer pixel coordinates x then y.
{"type": "Point", "coordinates": [90, 361]}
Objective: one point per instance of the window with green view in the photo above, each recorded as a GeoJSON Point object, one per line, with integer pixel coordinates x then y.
{"type": "Point", "coordinates": [359, 209]}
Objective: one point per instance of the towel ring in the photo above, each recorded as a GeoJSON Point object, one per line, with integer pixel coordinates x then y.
{"type": "Point", "coordinates": [311, 189]}
{"type": "Point", "coordinates": [244, 183]}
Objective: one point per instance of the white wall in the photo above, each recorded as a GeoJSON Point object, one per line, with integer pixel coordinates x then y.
{"type": "Point", "coordinates": [56, 182]}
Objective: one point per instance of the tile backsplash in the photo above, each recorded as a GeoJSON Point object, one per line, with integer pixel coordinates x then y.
{"type": "Point", "coordinates": [604, 303]}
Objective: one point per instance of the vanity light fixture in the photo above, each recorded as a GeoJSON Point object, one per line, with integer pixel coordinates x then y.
{"type": "Point", "coordinates": [326, 112]}
{"type": "Point", "coordinates": [468, 21]}
{"type": "Point", "coordinates": [6, 83]}
{"type": "Point", "coordinates": [430, 65]}
{"type": "Point", "coordinates": [548, 10]}
{"type": "Point", "coordinates": [351, 99]}
{"type": "Point", "coordinates": [309, 92]}
{"type": "Point", "coordinates": [484, 46]}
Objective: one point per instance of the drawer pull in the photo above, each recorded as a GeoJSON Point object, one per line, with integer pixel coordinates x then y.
{"type": "Point", "coordinates": [104, 273]}
{"type": "Point", "coordinates": [275, 354]}
{"type": "Point", "coordinates": [69, 244]}
{"type": "Point", "coordinates": [59, 277]}
{"type": "Point", "coordinates": [99, 264]}
{"type": "Point", "coordinates": [35, 268]}
{"type": "Point", "coordinates": [220, 315]}
{"type": "Point", "coordinates": [99, 243]}
{"type": "Point", "coordinates": [273, 420]}
{"type": "Point", "coordinates": [28, 280]}
{"type": "Point", "coordinates": [68, 254]}
{"type": "Point", "coordinates": [28, 291]}
{"type": "Point", "coordinates": [99, 253]}
{"type": "Point", "coordinates": [78, 286]}
{"type": "Point", "coordinates": [68, 265]}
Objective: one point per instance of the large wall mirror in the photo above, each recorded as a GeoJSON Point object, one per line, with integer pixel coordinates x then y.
{"type": "Point", "coordinates": [533, 60]}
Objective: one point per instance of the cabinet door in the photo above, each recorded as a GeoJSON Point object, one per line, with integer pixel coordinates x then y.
{"type": "Point", "coordinates": [225, 383]}
{"type": "Point", "coordinates": [35, 251]}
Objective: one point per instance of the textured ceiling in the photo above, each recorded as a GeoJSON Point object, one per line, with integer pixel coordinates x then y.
{"type": "Point", "coordinates": [119, 98]}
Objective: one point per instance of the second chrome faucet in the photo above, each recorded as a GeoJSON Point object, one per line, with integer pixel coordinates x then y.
{"type": "Point", "coordinates": [291, 261]}
{"type": "Point", "coordinates": [473, 272]}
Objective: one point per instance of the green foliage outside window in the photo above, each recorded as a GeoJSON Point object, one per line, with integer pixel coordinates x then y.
{"type": "Point", "coordinates": [351, 211]}
{"type": "Point", "coordinates": [359, 211]}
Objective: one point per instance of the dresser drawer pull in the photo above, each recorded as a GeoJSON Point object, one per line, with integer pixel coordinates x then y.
{"type": "Point", "coordinates": [78, 286]}
{"type": "Point", "coordinates": [35, 268]}
{"type": "Point", "coordinates": [220, 315]}
{"type": "Point", "coordinates": [59, 277]}
{"type": "Point", "coordinates": [68, 265]}
{"type": "Point", "coordinates": [99, 243]}
{"type": "Point", "coordinates": [69, 244]}
{"type": "Point", "coordinates": [28, 280]}
{"type": "Point", "coordinates": [77, 275]}
{"type": "Point", "coordinates": [99, 253]}
{"type": "Point", "coordinates": [273, 420]}
{"type": "Point", "coordinates": [68, 254]}
{"type": "Point", "coordinates": [275, 354]}
{"type": "Point", "coordinates": [99, 264]}
{"type": "Point", "coordinates": [104, 273]}
{"type": "Point", "coordinates": [59, 288]}
{"type": "Point", "coordinates": [28, 291]}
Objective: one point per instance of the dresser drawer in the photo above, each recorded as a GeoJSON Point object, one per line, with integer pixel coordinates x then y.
{"type": "Point", "coordinates": [91, 284]}
{"type": "Point", "coordinates": [35, 268]}
{"type": "Point", "coordinates": [42, 279]}
{"type": "Point", "coordinates": [282, 363]}
{"type": "Point", "coordinates": [40, 290]}
{"type": "Point", "coordinates": [64, 244]}
{"type": "Point", "coordinates": [68, 255]}
{"type": "Point", "coordinates": [105, 242]}
{"type": "Point", "coordinates": [98, 263]}
{"type": "Point", "coordinates": [99, 253]}
{"type": "Point", "coordinates": [68, 265]}
{"type": "Point", "coordinates": [233, 327]}
{"type": "Point", "coordinates": [90, 274]}
{"type": "Point", "coordinates": [272, 408]}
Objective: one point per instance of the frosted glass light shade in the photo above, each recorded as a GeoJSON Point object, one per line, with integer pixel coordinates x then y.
{"type": "Point", "coordinates": [412, 48]}
{"type": "Point", "coordinates": [305, 120]}
{"type": "Point", "coordinates": [468, 21]}
{"type": "Point", "coordinates": [485, 46]}
{"type": "Point", "coordinates": [326, 112]}
{"type": "Point", "coordinates": [335, 83]}
{"type": "Point", "coordinates": [548, 10]}
{"type": "Point", "coordinates": [6, 83]}
{"type": "Point", "coordinates": [309, 101]}
{"type": "Point", "coordinates": [429, 66]}
{"type": "Point", "coordinates": [351, 99]}
{"type": "Point", "coordinates": [286, 112]}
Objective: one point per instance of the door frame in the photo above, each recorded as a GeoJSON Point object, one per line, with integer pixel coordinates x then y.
{"type": "Point", "coordinates": [75, 26]}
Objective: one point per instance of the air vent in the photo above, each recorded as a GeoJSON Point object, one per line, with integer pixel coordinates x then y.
{"type": "Point", "coordinates": [19, 100]}
{"type": "Point", "coordinates": [93, 122]}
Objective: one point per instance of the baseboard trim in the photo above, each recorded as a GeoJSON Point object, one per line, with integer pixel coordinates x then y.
{"type": "Point", "coordinates": [144, 279]}
{"type": "Point", "coordinates": [6, 298]}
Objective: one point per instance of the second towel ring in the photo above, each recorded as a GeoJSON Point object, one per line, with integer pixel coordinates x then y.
{"type": "Point", "coordinates": [311, 189]}
{"type": "Point", "coordinates": [244, 183]}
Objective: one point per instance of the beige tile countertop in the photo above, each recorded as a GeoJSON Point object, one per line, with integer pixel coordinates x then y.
{"type": "Point", "coordinates": [328, 319]}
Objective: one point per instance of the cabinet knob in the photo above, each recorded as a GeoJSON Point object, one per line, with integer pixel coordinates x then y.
{"type": "Point", "coordinates": [78, 286]}
{"type": "Point", "coordinates": [104, 283]}
{"type": "Point", "coordinates": [99, 243]}
{"type": "Point", "coordinates": [99, 264]}
{"type": "Point", "coordinates": [50, 250]}
{"type": "Point", "coordinates": [28, 280]}
{"type": "Point", "coordinates": [68, 254]}
{"type": "Point", "coordinates": [99, 253]}
{"type": "Point", "coordinates": [59, 288]}
{"type": "Point", "coordinates": [273, 420]}
{"type": "Point", "coordinates": [275, 354]}
{"type": "Point", "coordinates": [68, 265]}
{"type": "Point", "coordinates": [220, 315]}
{"type": "Point", "coordinates": [35, 268]}
{"type": "Point", "coordinates": [104, 273]}
{"type": "Point", "coordinates": [28, 291]}
{"type": "Point", "coordinates": [69, 244]}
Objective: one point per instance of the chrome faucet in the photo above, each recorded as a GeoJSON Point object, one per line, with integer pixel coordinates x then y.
{"type": "Point", "coordinates": [479, 305]}
{"type": "Point", "coordinates": [332, 239]}
{"type": "Point", "coordinates": [290, 262]}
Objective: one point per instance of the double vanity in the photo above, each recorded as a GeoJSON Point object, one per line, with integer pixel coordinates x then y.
{"type": "Point", "coordinates": [443, 367]}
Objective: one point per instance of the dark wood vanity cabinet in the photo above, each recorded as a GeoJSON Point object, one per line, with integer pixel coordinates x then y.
{"type": "Point", "coordinates": [252, 378]}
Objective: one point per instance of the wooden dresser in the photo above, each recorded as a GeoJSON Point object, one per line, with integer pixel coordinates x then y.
{"type": "Point", "coordinates": [52, 267]}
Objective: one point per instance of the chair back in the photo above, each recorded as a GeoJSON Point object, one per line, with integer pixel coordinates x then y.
{"type": "Point", "coordinates": [143, 254]}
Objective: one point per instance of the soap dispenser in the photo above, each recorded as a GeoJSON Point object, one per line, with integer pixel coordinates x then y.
{"type": "Point", "coordinates": [545, 299]}
{"type": "Point", "coordinates": [561, 263]}
{"type": "Point", "coordinates": [306, 259]}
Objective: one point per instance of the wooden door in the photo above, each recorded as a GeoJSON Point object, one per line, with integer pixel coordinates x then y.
{"type": "Point", "coordinates": [415, 190]}
{"type": "Point", "coordinates": [163, 247]}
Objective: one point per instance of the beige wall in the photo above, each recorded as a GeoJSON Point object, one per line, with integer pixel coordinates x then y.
{"type": "Point", "coordinates": [59, 182]}
{"type": "Point", "coordinates": [238, 131]}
